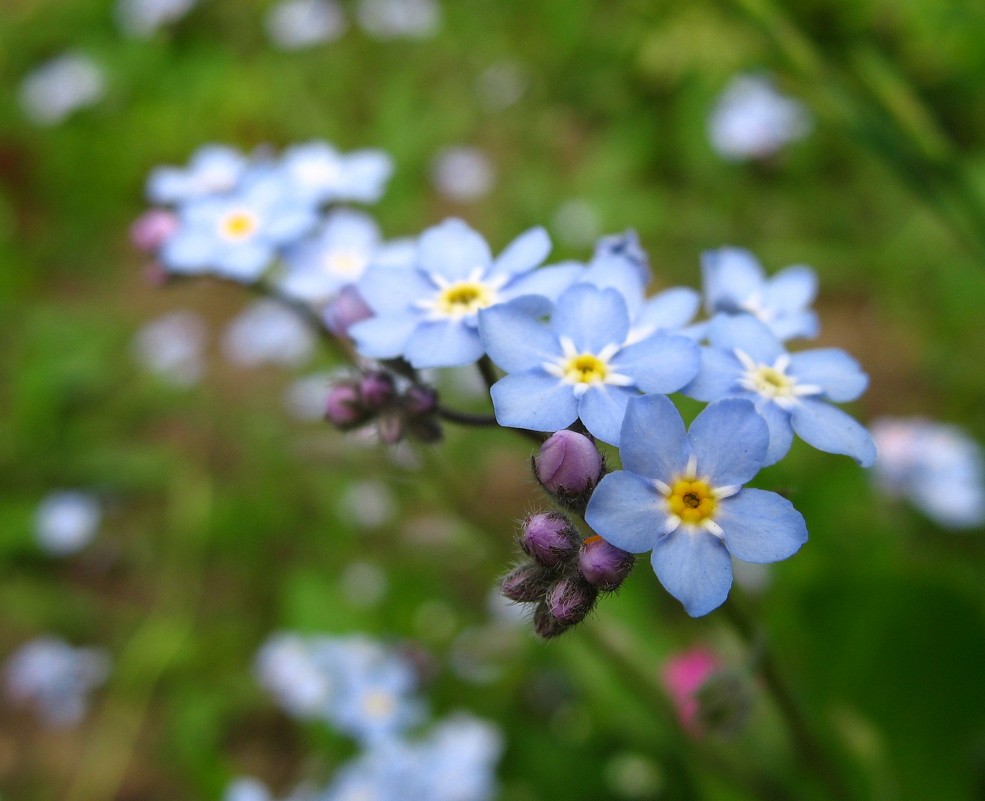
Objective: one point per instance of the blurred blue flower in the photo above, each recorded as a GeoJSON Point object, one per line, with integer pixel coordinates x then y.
{"type": "Point", "coordinates": [65, 522]}
{"type": "Point", "coordinates": [680, 495]}
{"type": "Point", "coordinates": [790, 390]}
{"type": "Point", "coordinates": [428, 314]}
{"type": "Point", "coordinates": [318, 173]}
{"type": "Point", "coordinates": [212, 170]}
{"type": "Point", "coordinates": [580, 365]}
{"type": "Point", "coordinates": [237, 235]}
{"type": "Point", "coordinates": [735, 283]}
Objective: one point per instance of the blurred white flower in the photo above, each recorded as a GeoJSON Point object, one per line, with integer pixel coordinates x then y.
{"type": "Point", "coordinates": [394, 19]}
{"type": "Point", "coordinates": [462, 173]}
{"type": "Point", "coordinates": [143, 17]}
{"type": "Point", "coordinates": [363, 583]}
{"type": "Point", "coordinates": [501, 85]}
{"type": "Point", "coordinates": [935, 466]}
{"type": "Point", "coordinates": [172, 346]}
{"type": "Point", "coordinates": [268, 333]}
{"type": "Point", "coordinates": [61, 86]}
{"type": "Point", "coordinates": [55, 678]}
{"type": "Point", "coordinates": [65, 522]}
{"type": "Point", "coordinates": [305, 397]}
{"type": "Point", "coordinates": [369, 504]}
{"type": "Point", "coordinates": [297, 24]}
{"type": "Point", "coordinates": [576, 223]}
{"type": "Point", "coordinates": [752, 120]}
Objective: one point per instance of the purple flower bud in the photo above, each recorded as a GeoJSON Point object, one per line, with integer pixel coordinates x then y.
{"type": "Point", "coordinates": [549, 538]}
{"type": "Point", "coordinates": [546, 625]}
{"type": "Point", "coordinates": [152, 229]}
{"type": "Point", "coordinates": [420, 400]}
{"type": "Point", "coordinates": [603, 565]}
{"type": "Point", "coordinates": [526, 583]}
{"type": "Point", "coordinates": [570, 599]}
{"type": "Point", "coordinates": [390, 428]}
{"type": "Point", "coordinates": [569, 466]}
{"type": "Point", "coordinates": [344, 310]}
{"type": "Point", "coordinates": [376, 389]}
{"type": "Point", "coordinates": [343, 407]}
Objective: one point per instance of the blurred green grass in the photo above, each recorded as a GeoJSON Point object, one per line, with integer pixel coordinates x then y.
{"type": "Point", "coordinates": [226, 519]}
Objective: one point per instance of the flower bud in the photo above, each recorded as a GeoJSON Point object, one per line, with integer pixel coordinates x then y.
{"type": "Point", "coordinates": [152, 229]}
{"type": "Point", "coordinates": [343, 407]}
{"type": "Point", "coordinates": [570, 599]}
{"type": "Point", "coordinates": [376, 389]}
{"type": "Point", "coordinates": [546, 626]}
{"type": "Point", "coordinates": [526, 583]}
{"type": "Point", "coordinates": [603, 565]}
{"type": "Point", "coordinates": [549, 538]}
{"type": "Point", "coordinates": [569, 466]}
{"type": "Point", "coordinates": [390, 428]}
{"type": "Point", "coordinates": [420, 400]}
{"type": "Point", "coordinates": [344, 310]}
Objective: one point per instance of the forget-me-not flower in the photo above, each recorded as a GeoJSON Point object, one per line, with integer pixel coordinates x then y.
{"type": "Point", "coordinates": [212, 170]}
{"type": "Point", "coordinates": [429, 313]}
{"type": "Point", "coordinates": [580, 365]}
{"type": "Point", "coordinates": [318, 173]}
{"type": "Point", "coordinates": [680, 495]}
{"type": "Point", "coordinates": [735, 283]}
{"type": "Point", "coordinates": [791, 390]}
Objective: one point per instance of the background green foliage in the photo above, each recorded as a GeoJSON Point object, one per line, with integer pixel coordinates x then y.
{"type": "Point", "coordinates": [226, 520]}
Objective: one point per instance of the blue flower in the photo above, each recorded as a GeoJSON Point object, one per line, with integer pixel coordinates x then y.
{"type": "Point", "coordinates": [580, 366]}
{"type": "Point", "coordinates": [790, 390]}
{"type": "Point", "coordinates": [428, 313]}
{"type": "Point", "coordinates": [320, 174]}
{"type": "Point", "coordinates": [237, 235]}
{"type": "Point", "coordinates": [212, 170]}
{"type": "Point", "coordinates": [681, 497]}
{"type": "Point", "coordinates": [736, 283]}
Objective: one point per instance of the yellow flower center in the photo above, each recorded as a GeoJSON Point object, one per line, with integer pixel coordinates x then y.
{"type": "Point", "coordinates": [692, 500]}
{"type": "Point", "coordinates": [238, 224]}
{"type": "Point", "coordinates": [585, 369]}
{"type": "Point", "coordinates": [378, 704]}
{"type": "Point", "coordinates": [345, 264]}
{"type": "Point", "coordinates": [464, 299]}
{"type": "Point", "coordinates": [770, 382]}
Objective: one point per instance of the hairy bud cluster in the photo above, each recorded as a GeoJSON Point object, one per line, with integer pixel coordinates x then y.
{"type": "Point", "coordinates": [568, 467]}
{"type": "Point", "coordinates": [564, 575]}
{"type": "Point", "coordinates": [374, 396]}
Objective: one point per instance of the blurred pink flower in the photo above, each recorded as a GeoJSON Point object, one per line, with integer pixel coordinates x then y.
{"type": "Point", "coordinates": [683, 675]}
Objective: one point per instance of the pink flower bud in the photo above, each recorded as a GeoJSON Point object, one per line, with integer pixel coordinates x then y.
{"type": "Point", "coordinates": [344, 310]}
{"type": "Point", "coordinates": [152, 229]}
{"type": "Point", "coordinates": [603, 565]}
{"type": "Point", "coordinates": [549, 538]}
{"type": "Point", "coordinates": [568, 462]}
{"type": "Point", "coordinates": [376, 389]}
{"type": "Point", "coordinates": [343, 407]}
{"type": "Point", "coordinates": [683, 676]}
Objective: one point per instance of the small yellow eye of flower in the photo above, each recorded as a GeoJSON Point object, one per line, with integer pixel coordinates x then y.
{"type": "Point", "coordinates": [771, 382]}
{"type": "Point", "coordinates": [378, 704]}
{"type": "Point", "coordinates": [238, 225]}
{"type": "Point", "coordinates": [585, 369]}
{"type": "Point", "coordinates": [343, 263]}
{"type": "Point", "coordinates": [464, 298]}
{"type": "Point", "coordinates": [692, 501]}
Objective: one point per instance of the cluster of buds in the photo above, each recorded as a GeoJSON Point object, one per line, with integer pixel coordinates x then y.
{"type": "Point", "coordinates": [564, 574]}
{"type": "Point", "coordinates": [374, 396]}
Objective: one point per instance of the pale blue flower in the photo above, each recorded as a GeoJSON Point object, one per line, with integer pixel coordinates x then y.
{"type": "Point", "coordinates": [580, 365]}
{"type": "Point", "coordinates": [212, 170]}
{"type": "Point", "coordinates": [65, 522]}
{"type": "Point", "coordinates": [680, 495]}
{"type": "Point", "coordinates": [428, 314]}
{"type": "Point", "coordinates": [318, 173]}
{"type": "Point", "coordinates": [735, 283]}
{"type": "Point", "coordinates": [791, 390]}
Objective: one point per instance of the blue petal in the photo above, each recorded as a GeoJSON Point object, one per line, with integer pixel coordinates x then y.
{"type": "Point", "coordinates": [614, 272]}
{"type": "Point", "coordinates": [393, 289]}
{"type": "Point", "coordinates": [791, 289]}
{"type": "Point", "coordinates": [245, 262]}
{"type": "Point", "coordinates": [695, 568]}
{"type": "Point", "coordinates": [453, 250]}
{"type": "Point", "coordinates": [761, 526]}
{"type": "Point", "coordinates": [781, 432]}
{"type": "Point", "coordinates": [515, 340]}
{"type": "Point", "coordinates": [660, 363]}
{"type": "Point", "coordinates": [718, 376]}
{"type": "Point", "coordinates": [671, 309]}
{"type": "Point", "coordinates": [653, 441]}
{"type": "Point", "coordinates": [793, 326]}
{"type": "Point", "coordinates": [627, 511]}
{"type": "Point", "coordinates": [602, 409]}
{"type": "Point", "coordinates": [534, 400]}
{"type": "Point", "coordinates": [547, 281]}
{"type": "Point", "coordinates": [744, 332]}
{"type": "Point", "coordinates": [592, 318]}
{"type": "Point", "coordinates": [832, 369]}
{"type": "Point", "coordinates": [831, 430]}
{"type": "Point", "coordinates": [730, 441]}
{"type": "Point", "coordinates": [384, 337]}
{"type": "Point", "coordinates": [731, 275]}
{"type": "Point", "coordinates": [523, 253]}
{"type": "Point", "coordinates": [443, 343]}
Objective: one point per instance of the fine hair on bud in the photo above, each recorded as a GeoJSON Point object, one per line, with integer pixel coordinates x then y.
{"type": "Point", "coordinates": [546, 626]}
{"type": "Point", "coordinates": [526, 583]}
{"type": "Point", "coordinates": [568, 466]}
{"type": "Point", "coordinates": [603, 565]}
{"type": "Point", "coordinates": [550, 539]}
{"type": "Point", "coordinates": [570, 599]}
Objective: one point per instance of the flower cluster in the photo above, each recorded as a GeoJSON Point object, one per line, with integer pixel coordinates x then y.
{"type": "Point", "coordinates": [369, 692]}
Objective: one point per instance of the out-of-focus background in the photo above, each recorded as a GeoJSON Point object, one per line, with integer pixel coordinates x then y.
{"type": "Point", "coordinates": [224, 510]}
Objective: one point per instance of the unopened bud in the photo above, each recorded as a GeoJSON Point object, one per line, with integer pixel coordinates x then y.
{"type": "Point", "coordinates": [570, 599]}
{"type": "Point", "coordinates": [420, 400]}
{"type": "Point", "coordinates": [569, 466]}
{"type": "Point", "coordinates": [152, 229]}
{"type": "Point", "coordinates": [376, 389]}
{"type": "Point", "coordinates": [549, 538]}
{"type": "Point", "coordinates": [343, 407]}
{"type": "Point", "coordinates": [390, 428]}
{"type": "Point", "coordinates": [546, 625]}
{"type": "Point", "coordinates": [603, 565]}
{"type": "Point", "coordinates": [344, 310]}
{"type": "Point", "coordinates": [526, 583]}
